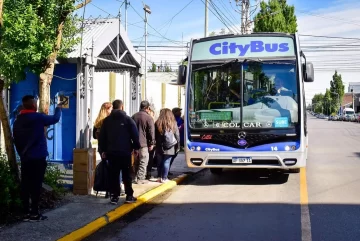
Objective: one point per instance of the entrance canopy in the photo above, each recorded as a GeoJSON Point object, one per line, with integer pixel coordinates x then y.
{"type": "Point", "coordinates": [106, 46]}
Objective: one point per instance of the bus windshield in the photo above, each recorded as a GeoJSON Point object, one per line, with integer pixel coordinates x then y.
{"type": "Point", "coordinates": [266, 96]}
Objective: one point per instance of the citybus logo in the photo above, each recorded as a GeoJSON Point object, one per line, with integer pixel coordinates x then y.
{"type": "Point", "coordinates": [242, 49]}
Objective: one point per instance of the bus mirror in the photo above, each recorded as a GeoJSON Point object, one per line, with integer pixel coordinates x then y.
{"type": "Point", "coordinates": [309, 73]}
{"type": "Point", "coordinates": [182, 75]}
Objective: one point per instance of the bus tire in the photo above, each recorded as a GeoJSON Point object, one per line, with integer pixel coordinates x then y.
{"type": "Point", "coordinates": [216, 171]}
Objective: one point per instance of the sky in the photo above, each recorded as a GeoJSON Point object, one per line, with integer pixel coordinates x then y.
{"type": "Point", "coordinates": [174, 23]}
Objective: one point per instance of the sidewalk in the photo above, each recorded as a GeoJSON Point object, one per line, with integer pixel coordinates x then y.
{"type": "Point", "coordinates": [79, 211]}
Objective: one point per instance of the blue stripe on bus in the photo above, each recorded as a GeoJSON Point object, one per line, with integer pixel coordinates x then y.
{"type": "Point", "coordinates": [208, 147]}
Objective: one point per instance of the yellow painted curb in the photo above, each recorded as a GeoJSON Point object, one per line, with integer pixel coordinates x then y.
{"type": "Point", "coordinates": [117, 213]}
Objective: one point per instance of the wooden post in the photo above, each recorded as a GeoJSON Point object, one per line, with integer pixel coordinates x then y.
{"type": "Point", "coordinates": [112, 86]}
{"type": "Point", "coordinates": [163, 95]}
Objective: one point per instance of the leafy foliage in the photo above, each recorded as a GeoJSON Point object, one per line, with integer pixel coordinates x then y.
{"type": "Point", "coordinates": [9, 191]}
{"type": "Point", "coordinates": [29, 35]}
{"type": "Point", "coordinates": [328, 103]}
{"type": "Point", "coordinates": [53, 179]}
{"type": "Point", "coordinates": [276, 16]}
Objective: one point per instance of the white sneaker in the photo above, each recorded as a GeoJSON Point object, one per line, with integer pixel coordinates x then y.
{"type": "Point", "coordinates": [164, 180]}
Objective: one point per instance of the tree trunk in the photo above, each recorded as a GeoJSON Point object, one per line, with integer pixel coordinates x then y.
{"type": "Point", "coordinates": [9, 144]}
{"type": "Point", "coordinates": [47, 76]}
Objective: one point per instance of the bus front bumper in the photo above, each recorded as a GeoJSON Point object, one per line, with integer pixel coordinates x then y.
{"type": "Point", "coordinates": [266, 160]}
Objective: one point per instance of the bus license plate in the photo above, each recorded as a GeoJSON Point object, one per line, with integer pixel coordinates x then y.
{"type": "Point", "coordinates": [241, 160]}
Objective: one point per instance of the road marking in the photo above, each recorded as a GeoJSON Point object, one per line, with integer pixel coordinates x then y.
{"type": "Point", "coordinates": [304, 203]}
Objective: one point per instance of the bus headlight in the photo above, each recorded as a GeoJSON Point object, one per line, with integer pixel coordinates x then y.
{"type": "Point", "coordinates": [287, 148]}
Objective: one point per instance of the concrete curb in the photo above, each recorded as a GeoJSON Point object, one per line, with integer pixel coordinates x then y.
{"type": "Point", "coordinates": [119, 212]}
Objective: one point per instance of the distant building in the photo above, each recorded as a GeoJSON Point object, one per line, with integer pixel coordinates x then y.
{"type": "Point", "coordinates": [355, 86]}
{"type": "Point", "coordinates": [348, 100]}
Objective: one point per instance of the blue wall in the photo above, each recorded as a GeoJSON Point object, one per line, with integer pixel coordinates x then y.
{"type": "Point", "coordinates": [65, 130]}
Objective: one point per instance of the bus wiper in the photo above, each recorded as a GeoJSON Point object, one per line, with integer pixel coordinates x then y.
{"type": "Point", "coordinates": [252, 60]}
{"type": "Point", "coordinates": [218, 65]}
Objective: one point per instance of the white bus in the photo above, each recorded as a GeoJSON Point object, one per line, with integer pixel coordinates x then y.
{"type": "Point", "coordinates": [245, 102]}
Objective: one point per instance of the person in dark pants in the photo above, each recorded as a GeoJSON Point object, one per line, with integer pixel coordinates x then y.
{"type": "Point", "coordinates": [145, 125]}
{"type": "Point", "coordinates": [152, 160]}
{"type": "Point", "coordinates": [118, 138]}
{"type": "Point", "coordinates": [180, 124]}
{"type": "Point", "coordinates": [167, 142]}
{"type": "Point", "coordinates": [30, 143]}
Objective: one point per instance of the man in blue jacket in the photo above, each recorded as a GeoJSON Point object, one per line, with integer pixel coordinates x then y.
{"type": "Point", "coordinates": [30, 143]}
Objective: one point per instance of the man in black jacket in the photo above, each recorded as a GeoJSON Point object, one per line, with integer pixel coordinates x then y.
{"type": "Point", "coordinates": [118, 138]}
{"type": "Point", "coordinates": [146, 127]}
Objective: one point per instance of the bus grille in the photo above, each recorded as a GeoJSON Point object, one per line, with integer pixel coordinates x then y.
{"type": "Point", "coordinates": [252, 139]}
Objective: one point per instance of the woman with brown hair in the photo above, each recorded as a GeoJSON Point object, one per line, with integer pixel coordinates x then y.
{"type": "Point", "coordinates": [104, 112]}
{"type": "Point", "coordinates": [167, 142]}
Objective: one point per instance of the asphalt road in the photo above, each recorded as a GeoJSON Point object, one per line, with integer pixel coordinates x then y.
{"type": "Point", "coordinates": [319, 204]}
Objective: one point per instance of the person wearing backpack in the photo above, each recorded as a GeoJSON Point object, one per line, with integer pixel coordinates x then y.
{"type": "Point", "coordinates": [104, 112]}
{"type": "Point", "coordinates": [118, 139]}
{"type": "Point", "coordinates": [167, 142]}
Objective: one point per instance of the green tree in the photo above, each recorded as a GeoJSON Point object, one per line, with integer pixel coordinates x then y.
{"type": "Point", "coordinates": [153, 68]}
{"type": "Point", "coordinates": [276, 16]}
{"type": "Point", "coordinates": [57, 39]}
{"type": "Point", "coordinates": [19, 27]}
{"type": "Point", "coordinates": [318, 103]}
{"type": "Point", "coordinates": [328, 103]}
{"type": "Point", "coordinates": [33, 33]}
{"type": "Point", "coordinates": [167, 67]}
{"type": "Point", "coordinates": [337, 86]}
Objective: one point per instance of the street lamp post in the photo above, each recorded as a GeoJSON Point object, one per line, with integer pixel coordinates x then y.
{"type": "Point", "coordinates": [147, 11]}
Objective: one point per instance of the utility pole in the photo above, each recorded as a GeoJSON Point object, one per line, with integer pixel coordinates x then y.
{"type": "Point", "coordinates": [147, 11]}
{"type": "Point", "coordinates": [245, 5]}
{"type": "Point", "coordinates": [206, 18]}
{"type": "Point", "coordinates": [126, 8]}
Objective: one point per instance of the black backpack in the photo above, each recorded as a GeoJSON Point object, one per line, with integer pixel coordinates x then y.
{"type": "Point", "coordinates": [101, 181]}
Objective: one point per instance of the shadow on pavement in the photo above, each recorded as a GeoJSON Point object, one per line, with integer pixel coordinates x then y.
{"type": "Point", "coordinates": [234, 221]}
{"type": "Point", "coordinates": [242, 177]}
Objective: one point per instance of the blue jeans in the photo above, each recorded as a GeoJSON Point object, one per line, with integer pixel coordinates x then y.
{"type": "Point", "coordinates": [163, 166]}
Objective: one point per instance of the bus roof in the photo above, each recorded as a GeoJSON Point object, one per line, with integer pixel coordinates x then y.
{"type": "Point", "coordinates": [263, 34]}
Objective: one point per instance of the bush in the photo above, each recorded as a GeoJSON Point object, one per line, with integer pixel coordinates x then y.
{"type": "Point", "coordinates": [53, 179]}
{"type": "Point", "coordinates": [10, 202]}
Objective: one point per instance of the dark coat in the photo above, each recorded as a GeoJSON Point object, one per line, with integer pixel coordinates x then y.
{"type": "Point", "coordinates": [118, 134]}
{"type": "Point", "coordinates": [146, 126]}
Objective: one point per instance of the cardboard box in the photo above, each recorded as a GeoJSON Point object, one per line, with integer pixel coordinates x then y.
{"type": "Point", "coordinates": [84, 170]}
{"type": "Point", "coordinates": [84, 160]}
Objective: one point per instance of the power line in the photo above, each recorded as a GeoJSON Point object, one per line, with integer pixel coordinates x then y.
{"type": "Point", "coordinates": [152, 26]}
{"type": "Point", "coordinates": [330, 18]}
{"type": "Point", "coordinates": [330, 37]}
{"type": "Point", "coordinates": [217, 17]}
{"type": "Point", "coordinates": [221, 14]}
{"type": "Point", "coordinates": [172, 18]}
{"type": "Point", "coordinates": [102, 10]}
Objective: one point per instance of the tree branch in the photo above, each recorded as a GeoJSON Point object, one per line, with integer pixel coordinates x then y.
{"type": "Point", "coordinates": [80, 5]}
